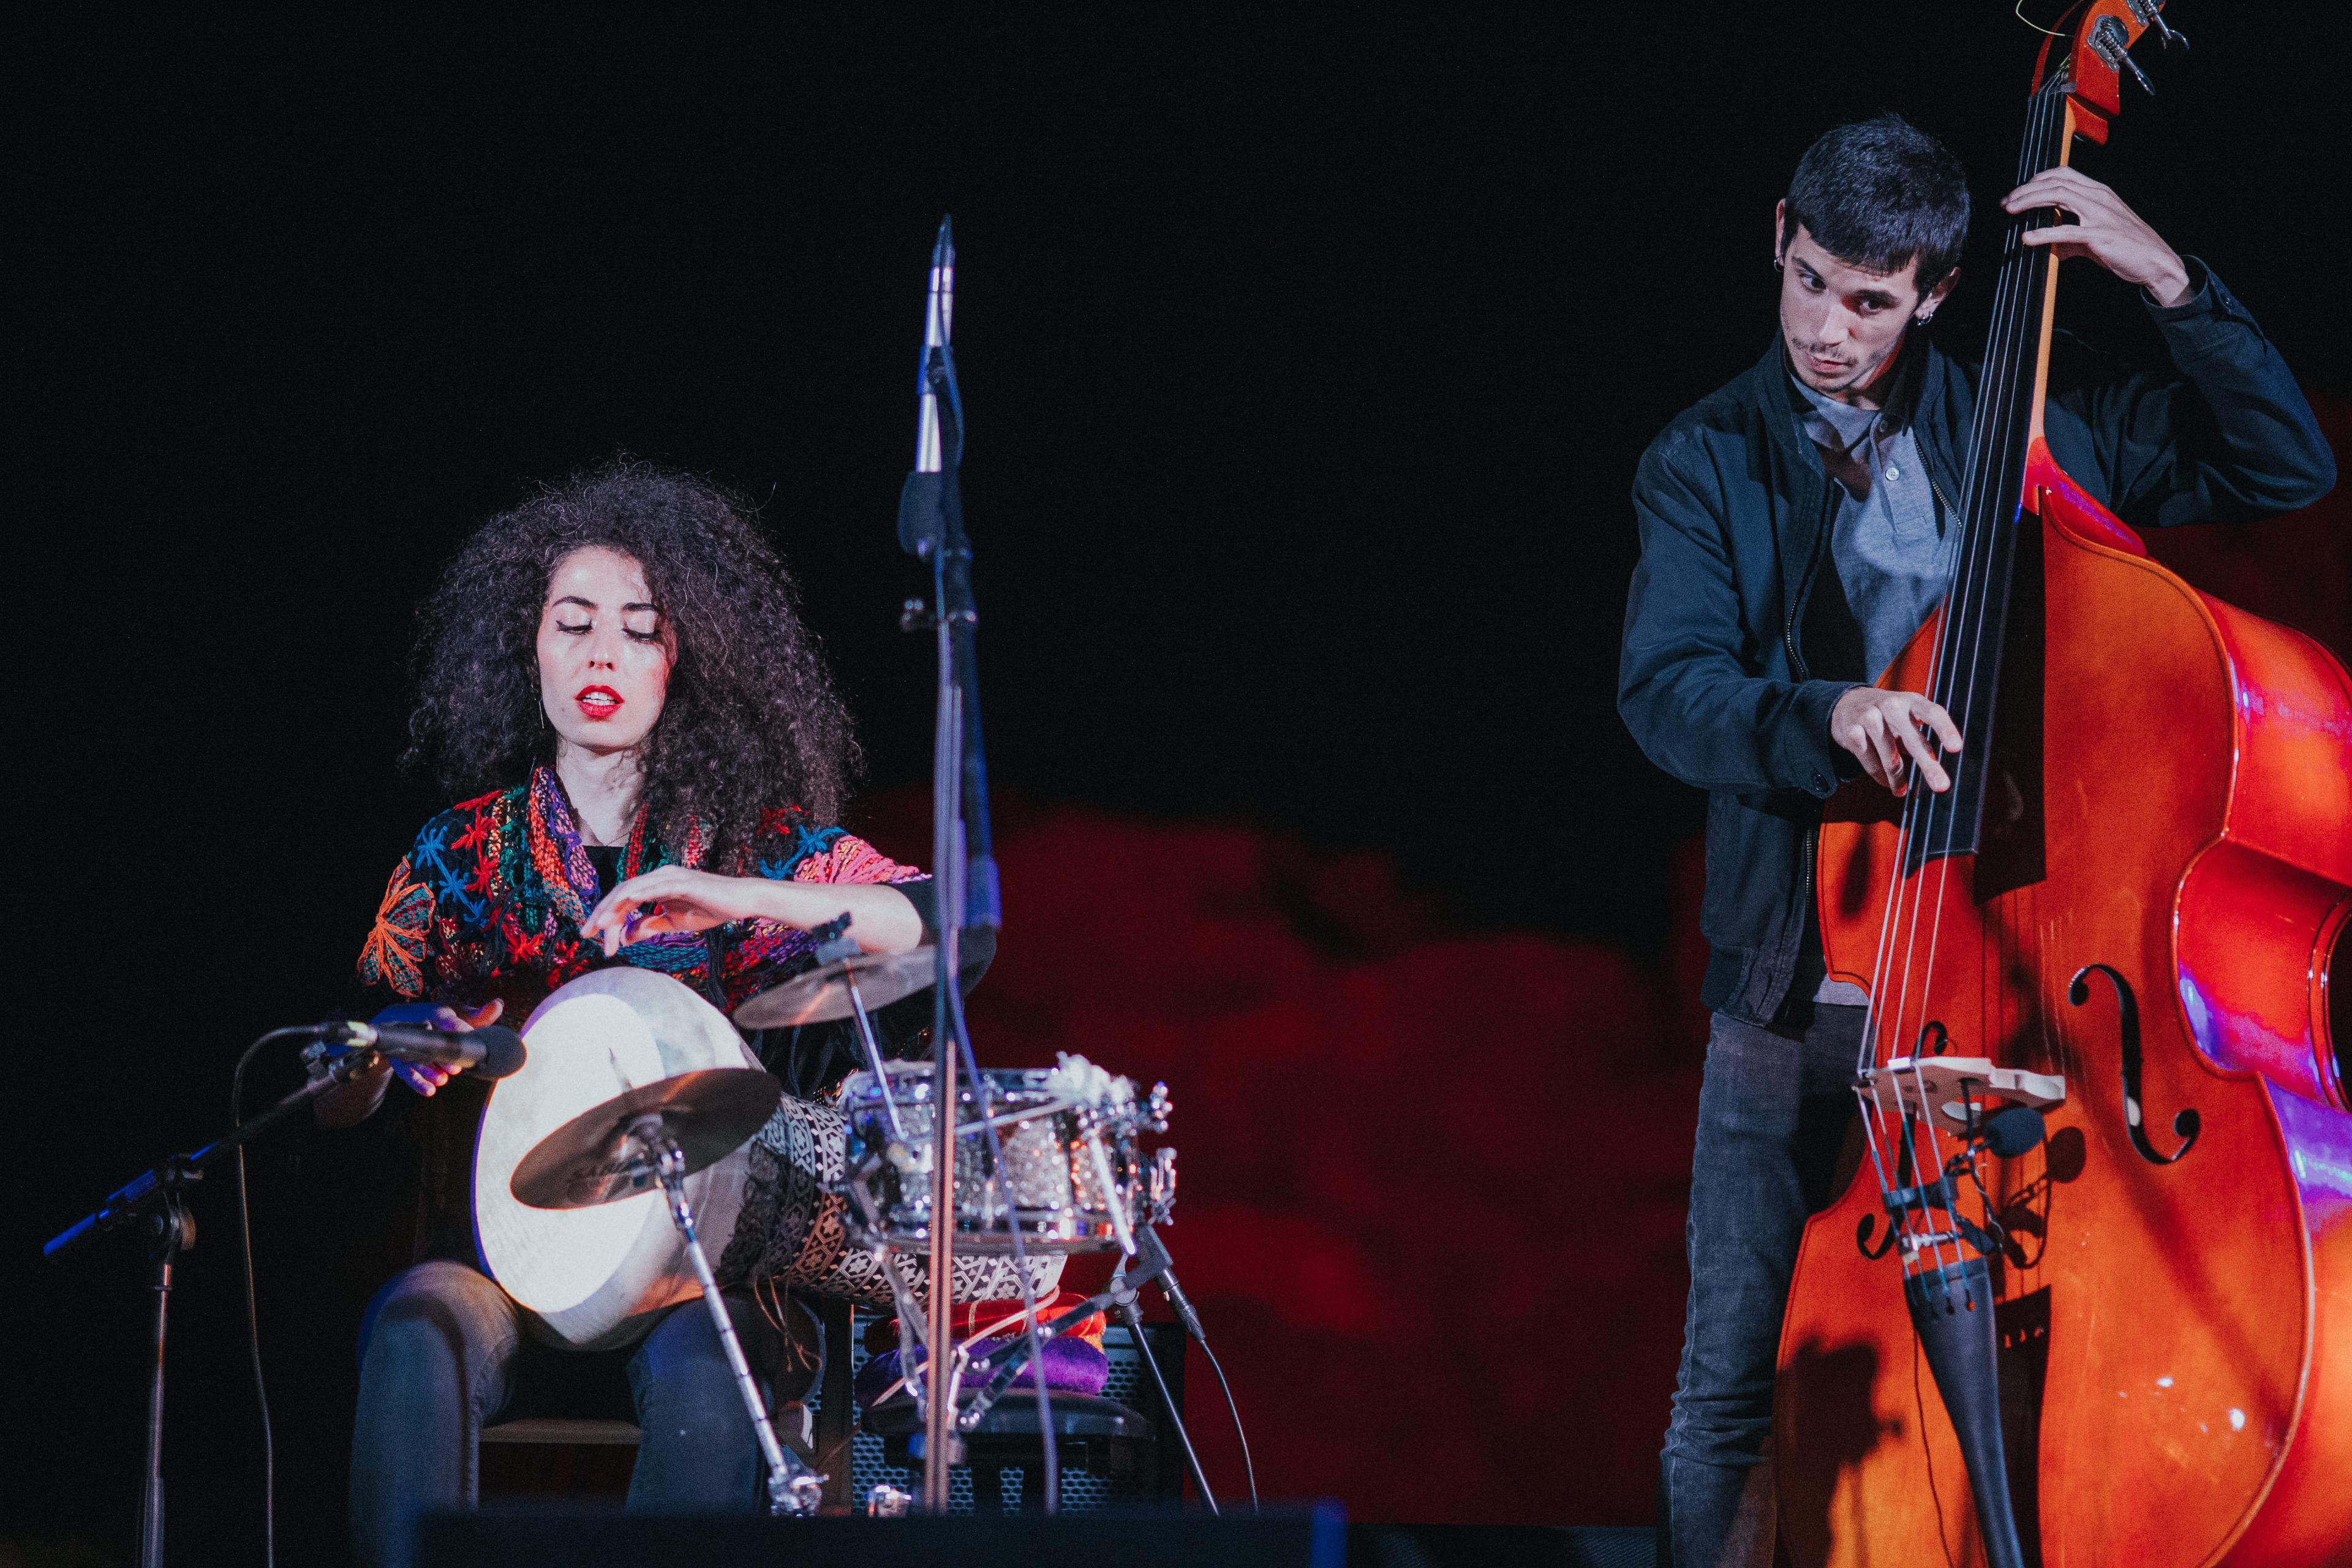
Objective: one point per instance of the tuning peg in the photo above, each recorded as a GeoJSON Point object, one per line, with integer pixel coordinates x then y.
{"type": "Point", "coordinates": [914, 615]}
{"type": "Point", "coordinates": [2151, 15]}
{"type": "Point", "coordinates": [2113, 46]}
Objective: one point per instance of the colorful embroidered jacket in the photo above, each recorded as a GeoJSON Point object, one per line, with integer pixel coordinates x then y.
{"type": "Point", "coordinates": [488, 903]}
{"type": "Point", "coordinates": [490, 899]}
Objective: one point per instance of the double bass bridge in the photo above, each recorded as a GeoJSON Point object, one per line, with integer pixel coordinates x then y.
{"type": "Point", "coordinates": [1956, 1088]}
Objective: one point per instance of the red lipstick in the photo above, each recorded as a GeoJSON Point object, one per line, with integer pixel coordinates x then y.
{"type": "Point", "coordinates": [597, 702]}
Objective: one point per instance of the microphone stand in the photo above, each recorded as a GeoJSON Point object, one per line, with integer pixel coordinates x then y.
{"type": "Point", "coordinates": [156, 1202]}
{"type": "Point", "coordinates": [930, 529]}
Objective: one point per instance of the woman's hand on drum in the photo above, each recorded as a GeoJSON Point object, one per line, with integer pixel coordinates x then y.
{"type": "Point", "coordinates": [680, 899]}
{"type": "Point", "coordinates": [426, 1076]}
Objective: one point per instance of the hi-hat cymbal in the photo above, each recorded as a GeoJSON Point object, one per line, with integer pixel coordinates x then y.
{"type": "Point", "coordinates": [823, 994]}
{"type": "Point", "coordinates": [592, 1158]}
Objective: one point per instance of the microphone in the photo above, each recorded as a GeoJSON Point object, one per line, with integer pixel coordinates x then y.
{"type": "Point", "coordinates": [1153, 1265]}
{"type": "Point", "coordinates": [2012, 1131]}
{"type": "Point", "coordinates": [922, 503]}
{"type": "Point", "coordinates": [1184, 1312]}
{"type": "Point", "coordinates": [938, 321]}
{"type": "Point", "coordinates": [491, 1051]}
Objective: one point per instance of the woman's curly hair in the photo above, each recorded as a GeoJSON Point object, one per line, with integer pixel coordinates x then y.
{"type": "Point", "coordinates": [751, 720]}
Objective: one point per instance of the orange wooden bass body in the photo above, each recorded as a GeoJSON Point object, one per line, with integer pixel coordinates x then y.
{"type": "Point", "coordinates": [2173, 800]}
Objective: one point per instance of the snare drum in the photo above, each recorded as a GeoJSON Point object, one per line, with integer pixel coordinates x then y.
{"type": "Point", "coordinates": [1052, 1189]}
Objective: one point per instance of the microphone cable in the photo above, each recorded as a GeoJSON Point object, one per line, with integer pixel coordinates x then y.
{"type": "Point", "coordinates": [1248, 1469]}
{"type": "Point", "coordinates": [252, 1306]}
{"type": "Point", "coordinates": [1189, 1321]}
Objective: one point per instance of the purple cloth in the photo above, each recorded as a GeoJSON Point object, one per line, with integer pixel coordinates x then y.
{"type": "Point", "coordinates": [1072, 1366]}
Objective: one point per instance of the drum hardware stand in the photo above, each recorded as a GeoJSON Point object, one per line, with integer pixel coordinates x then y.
{"type": "Point", "coordinates": [156, 1202]}
{"type": "Point", "coordinates": [1149, 1256]}
{"type": "Point", "coordinates": [912, 1318]}
{"type": "Point", "coordinates": [915, 1359]}
{"type": "Point", "coordinates": [834, 945]}
{"type": "Point", "coordinates": [792, 1487]}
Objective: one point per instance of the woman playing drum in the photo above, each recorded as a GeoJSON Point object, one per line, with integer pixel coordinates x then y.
{"type": "Point", "coordinates": [618, 662]}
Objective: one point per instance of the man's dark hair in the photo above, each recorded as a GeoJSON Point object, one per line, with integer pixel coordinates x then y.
{"type": "Point", "coordinates": [1879, 192]}
{"type": "Point", "coordinates": [751, 721]}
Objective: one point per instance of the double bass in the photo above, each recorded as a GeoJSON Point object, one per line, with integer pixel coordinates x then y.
{"type": "Point", "coordinates": [2088, 1298]}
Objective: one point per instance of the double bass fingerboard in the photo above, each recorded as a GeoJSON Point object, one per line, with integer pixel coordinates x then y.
{"type": "Point", "coordinates": [1976, 610]}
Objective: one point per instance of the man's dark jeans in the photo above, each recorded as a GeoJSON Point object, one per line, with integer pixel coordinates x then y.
{"type": "Point", "coordinates": [1773, 1111]}
{"type": "Point", "coordinates": [443, 1350]}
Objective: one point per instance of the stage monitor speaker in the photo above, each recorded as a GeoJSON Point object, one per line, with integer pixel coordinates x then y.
{"type": "Point", "coordinates": [1160, 1482]}
{"type": "Point", "coordinates": [577, 1538]}
{"type": "Point", "coordinates": [1501, 1546]}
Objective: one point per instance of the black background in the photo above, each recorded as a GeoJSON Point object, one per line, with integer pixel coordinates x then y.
{"type": "Point", "coordinates": [1306, 363]}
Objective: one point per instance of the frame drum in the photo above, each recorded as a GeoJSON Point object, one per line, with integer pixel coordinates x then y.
{"type": "Point", "coordinates": [588, 1277]}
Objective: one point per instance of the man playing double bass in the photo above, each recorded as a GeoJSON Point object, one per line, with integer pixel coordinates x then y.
{"type": "Point", "coordinates": [1798, 526]}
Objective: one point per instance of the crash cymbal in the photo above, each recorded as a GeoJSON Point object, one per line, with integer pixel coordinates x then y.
{"type": "Point", "coordinates": [823, 994]}
{"type": "Point", "coordinates": [594, 1159]}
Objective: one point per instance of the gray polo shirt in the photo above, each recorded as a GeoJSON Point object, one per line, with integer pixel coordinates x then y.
{"type": "Point", "coordinates": [1891, 541]}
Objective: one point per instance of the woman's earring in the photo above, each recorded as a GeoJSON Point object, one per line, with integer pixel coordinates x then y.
{"type": "Point", "coordinates": [1926, 317]}
{"type": "Point", "coordinates": [1777, 264]}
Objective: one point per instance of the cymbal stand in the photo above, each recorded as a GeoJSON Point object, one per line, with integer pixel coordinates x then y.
{"type": "Point", "coordinates": [792, 1487]}
{"type": "Point", "coordinates": [834, 945]}
{"type": "Point", "coordinates": [900, 1153]}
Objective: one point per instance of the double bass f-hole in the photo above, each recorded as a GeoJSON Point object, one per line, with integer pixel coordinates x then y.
{"type": "Point", "coordinates": [2187, 1122]}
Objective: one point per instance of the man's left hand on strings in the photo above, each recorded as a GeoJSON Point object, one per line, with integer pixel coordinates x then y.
{"type": "Point", "coordinates": [2099, 226]}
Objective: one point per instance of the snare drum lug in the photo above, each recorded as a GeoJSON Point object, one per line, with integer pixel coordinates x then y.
{"type": "Point", "coordinates": [1161, 1189]}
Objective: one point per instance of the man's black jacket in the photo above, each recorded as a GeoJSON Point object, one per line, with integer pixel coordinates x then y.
{"type": "Point", "coordinates": [1734, 510]}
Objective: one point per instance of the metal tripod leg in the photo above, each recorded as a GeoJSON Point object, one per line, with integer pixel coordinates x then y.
{"type": "Point", "coordinates": [793, 1486]}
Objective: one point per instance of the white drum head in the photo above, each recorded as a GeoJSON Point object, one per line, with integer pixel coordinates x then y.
{"type": "Point", "coordinates": [587, 1272]}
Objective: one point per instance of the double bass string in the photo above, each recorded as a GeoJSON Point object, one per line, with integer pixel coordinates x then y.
{"type": "Point", "coordinates": [2002, 463]}
{"type": "Point", "coordinates": [1903, 892]}
{"type": "Point", "coordinates": [1996, 457]}
{"type": "Point", "coordinates": [2005, 333]}
{"type": "Point", "coordinates": [1970, 609]}
{"type": "Point", "coordinates": [1967, 613]}
{"type": "Point", "coordinates": [1996, 451]}
{"type": "Point", "coordinates": [2024, 270]}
